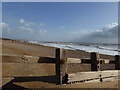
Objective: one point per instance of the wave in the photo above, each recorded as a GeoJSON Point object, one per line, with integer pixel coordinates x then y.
{"type": "Point", "coordinates": [103, 49]}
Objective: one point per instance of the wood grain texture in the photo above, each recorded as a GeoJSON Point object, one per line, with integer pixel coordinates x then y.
{"type": "Point", "coordinates": [84, 76]}
{"type": "Point", "coordinates": [25, 69]}
{"type": "Point", "coordinates": [76, 67]}
{"type": "Point", "coordinates": [61, 66]}
{"type": "Point", "coordinates": [73, 60]}
{"type": "Point", "coordinates": [26, 59]}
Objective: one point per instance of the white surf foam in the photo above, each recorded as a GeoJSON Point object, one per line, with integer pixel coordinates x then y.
{"type": "Point", "coordinates": [103, 49]}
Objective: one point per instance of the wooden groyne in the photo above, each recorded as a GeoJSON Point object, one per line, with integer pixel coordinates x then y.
{"type": "Point", "coordinates": [22, 59]}
{"type": "Point", "coordinates": [67, 70]}
{"type": "Point", "coordinates": [95, 71]}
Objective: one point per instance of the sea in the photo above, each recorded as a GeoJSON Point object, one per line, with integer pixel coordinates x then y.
{"type": "Point", "coordinates": [108, 49]}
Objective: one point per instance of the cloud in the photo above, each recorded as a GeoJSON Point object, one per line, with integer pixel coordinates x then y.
{"type": "Point", "coordinates": [33, 31]}
{"type": "Point", "coordinates": [109, 34]}
{"type": "Point", "coordinates": [111, 26]}
{"type": "Point", "coordinates": [4, 25]}
{"type": "Point", "coordinates": [42, 31]}
{"type": "Point", "coordinates": [7, 29]}
{"type": "Point", "coordinates": [62, 27]}
{"type": "Point", "coordinates": [23, 31]}
{"type": "Point", "coordinates": [41, 24]}
{"type": "Point", "coordinates": [24, 23]}
{"type": "Point", "coordinates": [30, 24]}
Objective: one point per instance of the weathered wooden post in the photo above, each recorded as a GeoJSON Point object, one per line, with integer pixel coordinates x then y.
{"type": "Point", "coordinates": [95, 64]}
{"type": "Point", "coordinates": [117, 62]}
{"type": "Point", "coordinates": [61, 66]}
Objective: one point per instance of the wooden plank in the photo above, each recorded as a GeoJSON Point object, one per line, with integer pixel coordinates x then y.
{"type": "Point", "coordinates": [84, 76]}
{"type": "Point", "coordinates": [26, 69]}
{"type": "Point", "coordinates": [102, 61]}
{"type": "Point", "coordinates": [78, 54]}
{"type": "Point", "coordinates": [107, 66]}
{"type": "Point", "coordinates": [109, 73]}
{"type": "Point", "coordinates": [85, 81]}
{"type": "Point", "coordinates": [26, 59]}
{"type": "Point", "coordinates": [61, 66]}
{"type": "Point", "coordinates": [105, 61]}
{"type": "Point", "coordinates": [94, 80]}
{"type": "Point", "coordinates": [77, 67]}
{"type": "Point", "coordinates": [73, 60]}
{"type": "Point", "coordinates": [110, 79]}
{"type": "Point", "coordinates": [19, 59]}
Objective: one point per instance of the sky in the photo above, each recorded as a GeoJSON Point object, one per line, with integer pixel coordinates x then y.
{"type": "Point", "coordinates": [86, 22]}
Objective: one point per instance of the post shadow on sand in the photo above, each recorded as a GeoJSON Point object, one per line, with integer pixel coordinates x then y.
{"type": "Point", "coordinates": [10, 85]}
{"type": "Point", "coordinates": [46, 60]}
{"type": "Point", "coordinates": [47, 79]}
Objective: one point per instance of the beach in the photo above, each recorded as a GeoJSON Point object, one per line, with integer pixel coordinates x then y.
{"type": "Point", "coordinates": [16, 62]}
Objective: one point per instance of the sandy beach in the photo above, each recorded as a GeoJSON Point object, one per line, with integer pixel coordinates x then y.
{"type": "Point", "coordinates": [37, 75]}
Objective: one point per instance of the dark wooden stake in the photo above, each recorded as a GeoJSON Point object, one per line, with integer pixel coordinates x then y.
{"type": "Point", "coordinates": [61, 66]}
{"type": "Point", "coordinates": [95, 64]}
{"type": "Point", "coordinates": [117, 62]}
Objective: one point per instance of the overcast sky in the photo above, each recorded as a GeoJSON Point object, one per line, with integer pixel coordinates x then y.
{"type": "Point", "coordinates": [87, 22]}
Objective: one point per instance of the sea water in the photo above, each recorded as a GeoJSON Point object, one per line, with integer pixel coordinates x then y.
{"type": "Point", "coordinates": [109, 49]}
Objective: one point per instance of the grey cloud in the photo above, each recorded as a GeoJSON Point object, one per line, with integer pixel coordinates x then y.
{"type": "Point", "coordinates": [106, 35]}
